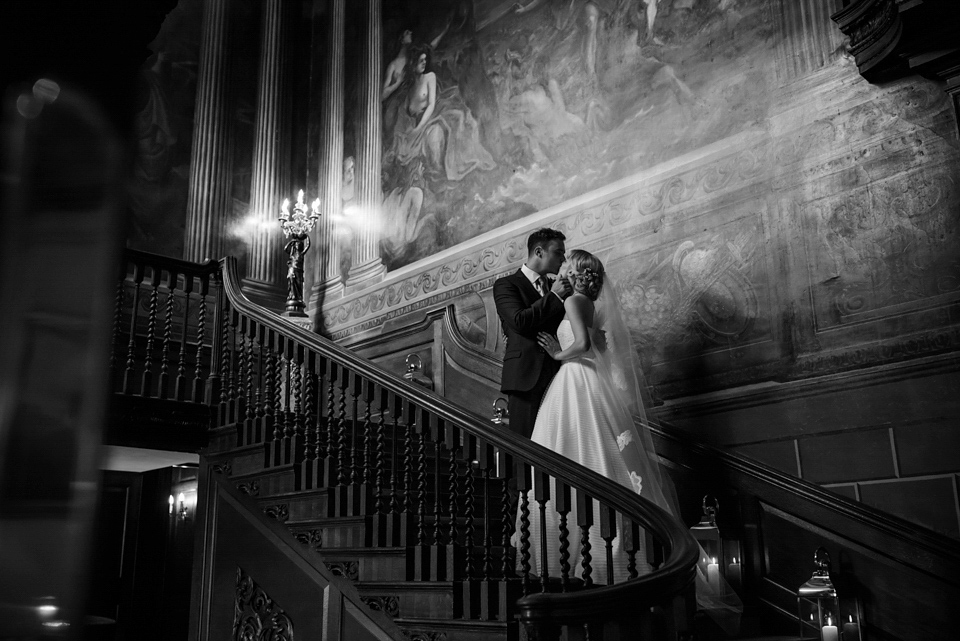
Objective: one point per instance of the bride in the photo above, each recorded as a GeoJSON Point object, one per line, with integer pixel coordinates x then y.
{"type": "Point", "coordinates": [588, 415]}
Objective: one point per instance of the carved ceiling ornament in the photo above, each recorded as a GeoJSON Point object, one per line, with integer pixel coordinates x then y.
{"type": "Point", "coordinates": [257, 617]}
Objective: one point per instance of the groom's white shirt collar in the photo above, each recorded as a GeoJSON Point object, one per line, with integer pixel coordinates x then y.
{"type": "Point", "coordinates": [531, 275]}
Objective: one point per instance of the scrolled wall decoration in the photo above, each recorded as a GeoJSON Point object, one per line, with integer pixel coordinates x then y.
{"type": "Point", "coordinates": [311, 538]}
{"type": "Point", "coordinates": [278, 512]}
{"type": "Point", "coordinates": [388, 604]}
{"type": "Point", "coordinates": [257, 617]}
{"type": "Point", "coordinates": [346, 569]}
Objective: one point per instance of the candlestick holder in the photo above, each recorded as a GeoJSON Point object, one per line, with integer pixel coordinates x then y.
{"type": "Point", "coordinates": [297, 226]}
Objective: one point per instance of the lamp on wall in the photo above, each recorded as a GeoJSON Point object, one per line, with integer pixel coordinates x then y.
{"type": "Point", "coordinates": [296, 226]}
{"type": "Point", "coordinates": [819, 607]}
{"type": "Point", "coordinates": [182, 510]}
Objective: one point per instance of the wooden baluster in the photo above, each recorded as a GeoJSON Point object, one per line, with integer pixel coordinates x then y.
{"type": "Point", "coordinates": [394, 519]}
{"type": "Point", "coordinates": [274, 451]}
{"type": "Point", "coordinates": [486, 461]}
{"type": "Point", "coordinates": [117, 322]}
{"type": "Point", "coordinates": [330, 472]}
{"type": "Point", "coordinates": [438, 434]}
{"type": "Point", "coordinates": [608, 531]}
{"type": "Point", "coordinates": [379, 455]}
{"type": "Point", "coordinates": [438, 552]}
{"type": "Point", "coordinates": [471, 593]}
{"type": "Point", "coordinates": [343, 467]}
{"type": "Point", "coordinates": [452, 442]}
{"type": "Point", "coordinates": [631, 544]}
{"type": "Point", "coordinates": [198, 381]}
{"type": "Point", "coordinates": [306, 472]}
{"type": "Point", "coordinates": [245, 429]}
{"type": "Point", "coordinates": [164, 382]}
{"type": "Point", "coordinates": [563, 504]}
{"type": "Point", "coordinates": [423, 432]}
{"type": "Point", "coordinates": [226, 356]}
{"type": "Point", "coordinates": [654, 550]}
{"type": "Point", "coordinates": [294, 451]}
{"type": "Point", "coordinates": [258, 433]}
{"type": "Point", "coordinates": [268, 415]}
{"type": "Point", "coordinates": [359, 495]}
{"type": "Point", "coordinates": [289, 393]}
{"type": "Point", "coordinates": [215, 374]}
{"type": "Point", "coordinates": [311, 436]}
{"type": "Point", "coordinates": [146, 383]}
{"type": "Point", "coordinates": [356, 431]}
{"type": "Point", "coordinates": [379, 529]}
{"type": "Point", "coordinates": [367, 504]}
{"type": "Point", "coordinates": [407, 517]}
{"type": "Point", "coordinates": [541, 494]}
{"type": "Point", "coordinates": [128, 374]}
{"type": "Point", "coordinates": [524, 485]}
{"type": "Point", "coordinates": [585, 520]}
{"type": "Point", "coordinates": [507, 590]}
{"type": "Point", "coordinates": [181, 387]}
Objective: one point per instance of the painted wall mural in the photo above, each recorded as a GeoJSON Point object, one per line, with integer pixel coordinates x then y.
{"type": "Point", "coordinates": [495, 110]}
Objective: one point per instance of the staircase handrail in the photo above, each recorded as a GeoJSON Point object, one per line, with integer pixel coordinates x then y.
{"type": "Point", "coordinates": [680, 551]}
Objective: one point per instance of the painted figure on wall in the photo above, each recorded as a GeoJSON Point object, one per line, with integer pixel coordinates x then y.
{"type": "Point", "coordinates": [513, 108]}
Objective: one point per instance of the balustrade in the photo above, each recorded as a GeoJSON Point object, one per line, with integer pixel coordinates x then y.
{"type": "Point", "coordinates": [426, 475]}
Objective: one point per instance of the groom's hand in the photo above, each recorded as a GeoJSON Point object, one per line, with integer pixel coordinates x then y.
{"type": "Point", "coordinates": [600, 341]}
{"type": "Point", "coordinates": [562, 288]}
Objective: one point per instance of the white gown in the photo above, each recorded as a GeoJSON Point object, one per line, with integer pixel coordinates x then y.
{"type": "Point", "coordinates": [583, 418]}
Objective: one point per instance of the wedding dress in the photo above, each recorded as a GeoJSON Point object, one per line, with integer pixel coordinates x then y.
{"type": "Point", "coordinates": [593, 413]}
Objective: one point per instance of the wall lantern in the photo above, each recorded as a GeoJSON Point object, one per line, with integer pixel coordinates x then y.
{"type": "Point", "coordinates": [501, 416]}
{"type": "Point", "coordinates": [414, 371]}
{"type": "Point", "coordinates": [722, 555]}
{"type": "Point", "coordinates": [182, 510]}
{"type": "Point", "coordinates": [819, 607]}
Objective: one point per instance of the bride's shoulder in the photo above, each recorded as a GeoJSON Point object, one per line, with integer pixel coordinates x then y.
{"type": "Point", "coordinates": [578, 302]}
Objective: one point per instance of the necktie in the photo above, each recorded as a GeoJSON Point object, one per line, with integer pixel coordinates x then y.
{"type": "Point", "coordinates": [543, 286]}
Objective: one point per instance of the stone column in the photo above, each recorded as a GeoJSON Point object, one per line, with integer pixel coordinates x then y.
{"type": "Point", "coordinates": [208, 201]}
{"type": "Point", "coordinates": [327, 278]}
{"type": "Point", "coordinates": [264, 281]}
{"type": "Point", "coordinates": [367, 266]}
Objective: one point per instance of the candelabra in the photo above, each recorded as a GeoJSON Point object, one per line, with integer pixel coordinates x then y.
{"type": "Point", "coordinates": [297, 226]}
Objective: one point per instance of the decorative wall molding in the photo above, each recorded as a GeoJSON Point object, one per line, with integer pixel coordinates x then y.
{"type": "Point", "coordinates": [256, 615]}
{"type": "Point", "coordinates": [388, 604]}
{"type": "Point", "coordinates": [347, 569]}
{"type": "Point", "coordinates": [311, 538]}
{"type": "Point", "coordinates": [727, 164]}
{"type": "Point", "coordinates": [279, 512]}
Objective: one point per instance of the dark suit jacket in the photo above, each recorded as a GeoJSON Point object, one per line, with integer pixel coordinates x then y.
{"type": "Point", "coordinates": [523, 314]}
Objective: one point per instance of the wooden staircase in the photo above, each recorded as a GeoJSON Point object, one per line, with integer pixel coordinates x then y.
{"type": "Point", "coordinates": [414, 500]}
{"type": "Point", "coordinates": [379, 481]}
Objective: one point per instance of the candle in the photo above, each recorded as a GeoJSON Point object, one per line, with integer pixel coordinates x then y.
{"type": "Point", "coordinates": [829, 632]}
{"type": "Point", "coordinates": [713, 575]}
{"type": "Point", "coordinates": [733, 573]}
{"type": "Point", "coordinates": [851, 631]}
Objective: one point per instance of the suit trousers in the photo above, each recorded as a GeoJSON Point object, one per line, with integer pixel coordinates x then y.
{"type": "Point", "coordinates": [523, 406]}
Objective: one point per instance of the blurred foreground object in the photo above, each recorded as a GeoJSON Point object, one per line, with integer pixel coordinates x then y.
{"type": "Point", "coordinates": [59, 231]}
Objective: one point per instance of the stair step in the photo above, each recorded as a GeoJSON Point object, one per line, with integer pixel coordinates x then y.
{"type": "Point", "coordinates": [422, 599]}
{"type": "Point", "coordinates": [368, 564]}
{"type": "Point", "coordinates": [420, 629]}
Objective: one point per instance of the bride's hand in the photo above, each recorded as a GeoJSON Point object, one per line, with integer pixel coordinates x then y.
{"type": "Point", "coordinates": [549, 344]}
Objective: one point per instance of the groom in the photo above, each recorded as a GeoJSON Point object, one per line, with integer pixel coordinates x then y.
{"type": "Point", "coordinates": [527, 304]}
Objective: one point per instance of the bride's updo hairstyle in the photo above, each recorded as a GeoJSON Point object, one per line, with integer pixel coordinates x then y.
{"type": "Point", "coordinates": [589, 279]}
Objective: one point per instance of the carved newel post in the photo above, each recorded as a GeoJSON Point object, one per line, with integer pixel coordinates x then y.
{"type": "Point", "coordinates": [297, 227]}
